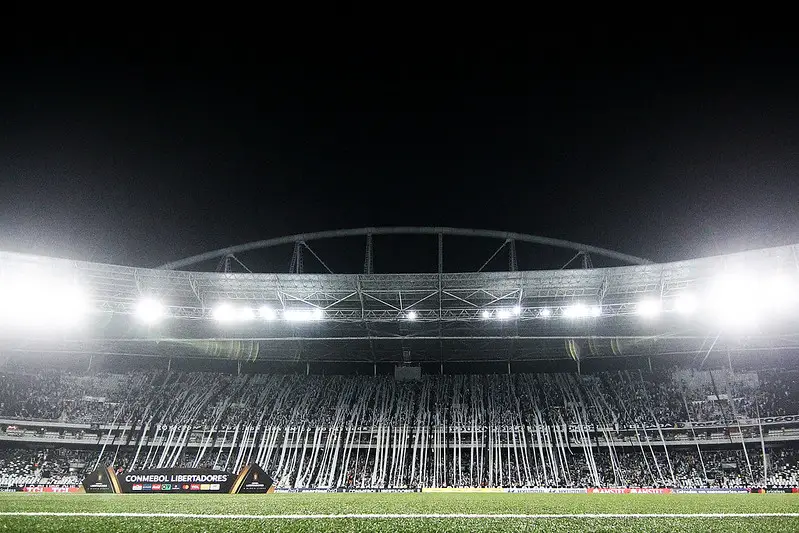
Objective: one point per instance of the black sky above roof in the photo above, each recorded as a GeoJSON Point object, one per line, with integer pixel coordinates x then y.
{"type": "Point", "coordinates": [140, 151]}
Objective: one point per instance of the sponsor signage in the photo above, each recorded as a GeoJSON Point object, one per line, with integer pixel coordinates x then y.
{"type": "Point", "coordinates": [463, 489]}
{"type": "Point", "coordinates": [49, 488]}
{"type": "Point", "coordinates": [342, 489]}
{"type": "Point", "coordinates": [774, 490]}
{"type": "Point", "coordinates": [252, 479]}
{"type": "Point", "coordinates": [177, 480]}
{"type": "Point", "coordinates": [711, 490]}
{"type": "Point", "coordinates": [100, 481]}
{"type": "Point", "coordinates": [547, 490]}
{"type": "Point", "coordinates": [637, 490]}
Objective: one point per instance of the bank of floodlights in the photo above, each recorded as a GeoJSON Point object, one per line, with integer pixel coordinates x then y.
{"type": "Point", "coordinates": [649, 308]}
{"type": "Point", "coordinates": [736, 299]}
{"type": "Point", "coordinates": [150, 311]}
{"type": "Point", "coordinates": [30, 301]}
{"type": "Point", "coordinates": [303, 315]}
{"type": "Point", "coordinates": [581, 310]}
{"type": "Point", "coordinates": [267, 313]}
{"type": "Point", "coordinates": [228, 313]}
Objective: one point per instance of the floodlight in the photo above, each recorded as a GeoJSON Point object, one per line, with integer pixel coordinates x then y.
{"type": "Point", "coordinates": [245, 314]}
{"type": "Point", "coordinates": [149, 311]}
{"type": "Point", "coordinates": [580, 310]}
{"type": "Point", "coordinates": [735, 300]}
{"type": "Point", "coordinates": [266, 312]}
{"type": "Point", "coordinates": [224, 313]}
{"type": "Point", "coordinates": [577, 310]}
{"type": "Point", "coordinates": [686, 303]}
{"type": "Point", "coordinates": [303, 315]}
{"type": "Point", "coordinates": [517, 310]}
{"type": "Point", "coordinates": [30, 302]}
{"type": "Point", "coordinates": [486, 314]}
{"type": "Point", "coordinates": [546, 312]}
{"type": "Point", "coordinates": [648, 308]}
{"type": "Point", "coordinates": [411, 315]}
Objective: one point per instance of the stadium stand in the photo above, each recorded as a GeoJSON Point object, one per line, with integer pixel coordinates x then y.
{"type": "Point", "coordinates": [682, 428]}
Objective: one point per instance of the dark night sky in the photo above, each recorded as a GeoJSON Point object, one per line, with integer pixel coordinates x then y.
{"type": "Point", "coordinates": [667, 146]}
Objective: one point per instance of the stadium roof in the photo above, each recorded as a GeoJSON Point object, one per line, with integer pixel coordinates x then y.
{"type": "Point", "coordinates": [474, 316]}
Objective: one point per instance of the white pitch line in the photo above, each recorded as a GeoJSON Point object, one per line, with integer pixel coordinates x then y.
{"type": "Point", "coordinates": [398, 516]}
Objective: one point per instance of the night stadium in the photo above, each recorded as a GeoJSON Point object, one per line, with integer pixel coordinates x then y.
{"type": "Point", "coordinates": [259, 275]}
{"type": "Point", "coordinates": [494, 396]}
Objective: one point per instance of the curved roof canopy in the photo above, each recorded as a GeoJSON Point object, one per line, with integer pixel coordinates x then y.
{"type": "Point", "coordinates": [405, 230]}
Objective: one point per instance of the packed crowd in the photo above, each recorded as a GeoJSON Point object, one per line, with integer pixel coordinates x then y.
{"type": "Point", "coordinates": [618, 400]}
{"type": "Point", "coordinates": [471, 430]}
{"type": "Point", "coordinates": [683, 467]}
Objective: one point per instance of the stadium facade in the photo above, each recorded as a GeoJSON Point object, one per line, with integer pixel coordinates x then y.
{"type": "Point", "coordinates": [665, 373]}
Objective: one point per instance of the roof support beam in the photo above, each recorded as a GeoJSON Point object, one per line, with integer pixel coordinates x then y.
{"type": "Point", "coordinates": [406, 230]}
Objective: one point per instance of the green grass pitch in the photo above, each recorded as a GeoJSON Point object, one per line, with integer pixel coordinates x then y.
{"type": "Point", "coordinates": [407, 504]}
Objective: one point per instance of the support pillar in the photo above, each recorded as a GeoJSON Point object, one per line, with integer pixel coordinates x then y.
{"type": "Point", "coordinates": [169, 365]}
{"type": "Point", "coordinates": [307, 369]}
{"type": "Point", "coordinates": [91, 359]}
{"type": "Point", "coordinates": [238, 367]}
{"type": "Point", "coordinates": [441, 369]}
{"type": "Point", "coordinates": [649, 359]}
{"type": "Point", "coordinates": [508, 367]}
{"type": "Point", "coordinates": [374, 366]}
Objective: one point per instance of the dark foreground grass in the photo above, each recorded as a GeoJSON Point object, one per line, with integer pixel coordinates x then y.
{"type": "Point", "coordinates": [398, 504]}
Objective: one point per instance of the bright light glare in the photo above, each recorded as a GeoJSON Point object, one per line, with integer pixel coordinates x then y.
{"type": "Point", "coordinates": [503, 314]}
{"type": "Point", "coordinates": [245, 313]}
{"type": "Point", "coordinates": [686, 304]}
{"type": "Point", "coordinates": [224, 313]}
{"type": "Point", "coordinates": [546, 312]}
{"type": "Point", "coordinates": [227, 313]}
{"type": "Point", "coordinates": [735, 300]}
{"type": "Point", "coordinates": [517, 310]}
{"type": "Point", "coordinates": [486, 314]}
{"type": "Point", "coordinates": [412, 315]}
{"type": "Point", "coordinates": [781, 292]}
{"type": "Point", "coordinates": [33, 302]}
{"type": "Point", "coordinates": [266, 312]}
{"type": "Point", "coordinates": [303, 315]}
{"type": "Point", "coordinates": [648, 308]}
{"type": "Point", "coordinates": [149, 311]}
{"type": "Point", "coordinates": [577, 310]}
{"type": "Point", "coordinates": [580, 310]}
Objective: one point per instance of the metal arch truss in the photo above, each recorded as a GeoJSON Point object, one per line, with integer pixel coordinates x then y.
{"type": "Point", "coordinates": [300, 240]}
{"type": "Point", "coordinates": [366, 314]}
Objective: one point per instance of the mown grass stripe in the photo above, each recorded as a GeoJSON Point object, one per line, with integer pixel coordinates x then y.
{"type": "Point", "coordinates": [390, 516]}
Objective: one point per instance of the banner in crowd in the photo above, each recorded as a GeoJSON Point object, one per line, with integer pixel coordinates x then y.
{"type": "Point", "coordinates": [252, 479]}
{"type": "Point", "coordinates": [640, 490]}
